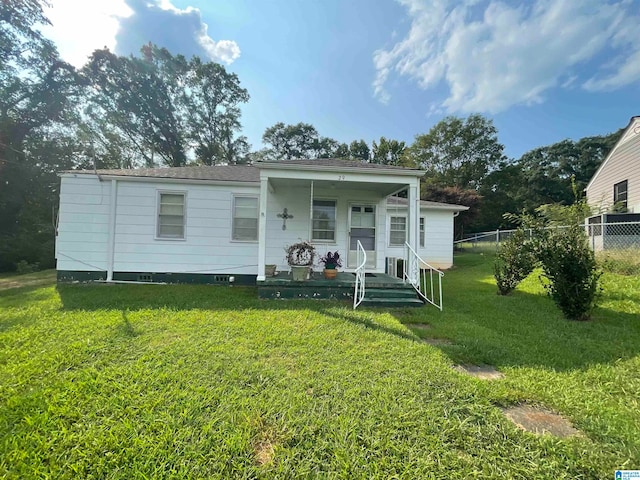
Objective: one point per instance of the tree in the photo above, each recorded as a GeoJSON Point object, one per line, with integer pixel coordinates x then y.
{"type": "Point", "coordinates": [213, 100]}
{"type": "Point", "coordinates": [469, 198]}
{"type": "Point", "coordinates": [387, 152]}
{"type": "Point", "coordinates": [132, 97]}
{"type": "Point", "coordinates": [548, 171]}
{"type": "Point", "coordinates": [289, 142]}
{"type": "Point", "coordinates": [458, 152]}
{"type": "Point", "coordinates": [37, 92]}
{"type": "Point", "coordinates": [342, 151]}
{"type": "Point", "coordinates": [359, 150]}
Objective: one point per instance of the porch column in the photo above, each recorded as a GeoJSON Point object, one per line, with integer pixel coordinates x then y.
{"type": "Point", "coordinates": [262, 228]}
{"type": "Point", "coordinates": [413, 221]}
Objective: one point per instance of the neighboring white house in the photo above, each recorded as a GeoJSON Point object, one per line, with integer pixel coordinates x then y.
{"type": "Point", "coordinates": [202, 224]}
{"type": "Point", "coordinates": [617, 181]}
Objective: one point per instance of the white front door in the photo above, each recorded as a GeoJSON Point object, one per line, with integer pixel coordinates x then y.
{"type": "Point", "coordinates": [362, 227]}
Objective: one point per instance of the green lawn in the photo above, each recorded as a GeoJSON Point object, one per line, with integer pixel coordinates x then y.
{"type": "Point", "coordinates": [149, 381]}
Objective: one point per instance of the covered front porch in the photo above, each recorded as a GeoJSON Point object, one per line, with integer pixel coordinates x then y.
{"type": "Point", "coordinates": [335, 205]}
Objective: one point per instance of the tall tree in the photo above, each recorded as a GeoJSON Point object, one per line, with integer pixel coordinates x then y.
{"type": "Point", "coordinates": [548, 171]}
{"type": "Point", "coordinates": [37, 91]}
{"type": "Point", "coordinates": [387, 152]}
{"type": "Point", "coordinates": [458, 152]}
{"type": "Point", "coordinates": [359, 150]}
{"type": "Point", "coordinates": [213, 99]}
{"type": "Point", "coordinates": [131, 95]}
{"type": "Point", "coordinates": [288, 142]}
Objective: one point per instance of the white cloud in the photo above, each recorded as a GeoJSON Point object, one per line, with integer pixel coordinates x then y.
{"type": "Point", "coordinates": [81, 26]}
{"type": "Point", "coordinates": [492, 55]}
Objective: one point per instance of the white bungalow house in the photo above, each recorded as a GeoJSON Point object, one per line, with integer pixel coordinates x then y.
{"type": "Point", "coordinates": [613, 193]}
{"type": "Point", "coordinates": [617, 180]}
{"type": "Point", "coordinates": [207, 224]}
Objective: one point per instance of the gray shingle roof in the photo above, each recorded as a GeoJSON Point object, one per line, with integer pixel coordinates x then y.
{"type": "Point", "coordinates": [223, 173]}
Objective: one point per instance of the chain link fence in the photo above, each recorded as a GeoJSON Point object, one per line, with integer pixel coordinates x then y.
{"type": "Point", "coordinates": [616, 244]}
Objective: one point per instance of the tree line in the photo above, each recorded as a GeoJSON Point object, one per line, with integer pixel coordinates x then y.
{"type": "Point", "coordinates": [160, 109]}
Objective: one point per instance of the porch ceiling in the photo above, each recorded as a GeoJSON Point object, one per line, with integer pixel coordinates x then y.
{"type": "Point", "coordinates": [384, 189]}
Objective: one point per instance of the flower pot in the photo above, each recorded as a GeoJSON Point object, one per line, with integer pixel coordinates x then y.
{"type": "Point", "coordinates": [269, 270]}
{"type": "Point", "coordinates": [299, 273]}
{"type": "Point", "coordinates": [330, 273]}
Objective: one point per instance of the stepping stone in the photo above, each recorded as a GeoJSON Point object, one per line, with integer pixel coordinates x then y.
{"type": "Point", "coordinates": [483, 372]}
{"type": "Point", "coordinates": [540, 421]}
{"type": "Point", "coordinates": [418, 326]}
{"type": "Point", "coordinates": [437, 342]}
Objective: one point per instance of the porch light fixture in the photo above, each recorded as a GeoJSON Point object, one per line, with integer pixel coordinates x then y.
{"type": "Point", "coordinates": [284, 216]}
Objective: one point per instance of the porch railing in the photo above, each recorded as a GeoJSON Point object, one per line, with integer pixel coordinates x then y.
{"type": "Point", "coordinates": [425, 279]}
{"type": "Point", "coordinates": [358, 293]}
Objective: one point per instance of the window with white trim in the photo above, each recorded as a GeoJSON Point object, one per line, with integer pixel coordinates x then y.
{"type": "Point", "coordinates": [323, 221]}
{"type": "Point", "coordinates": [171, 215]}
{"type": "Point", "coordinates": [397, 230]}
{"type": "Point", "coordinates": [245, 219]}
{"type": "Point", "coordinates": [422, 223]}
{"type": "Point", "coordinates": [620, 193]}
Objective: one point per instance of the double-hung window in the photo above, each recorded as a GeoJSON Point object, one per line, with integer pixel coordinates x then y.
{"type": "Point", "coordinates": [620, 193]}
{"type": "Point", "coordinates": [171, 215]}
{"type": "Point", "coordinates": [245, 219]}
{"type": "Point", "coordinates": [422, 222]}
{"type": "Point", "coordinates": [398, 231]}
{"type": "Point", "coordinates": [324, 221]}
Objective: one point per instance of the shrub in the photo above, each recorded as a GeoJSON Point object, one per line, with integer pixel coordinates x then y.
{"type": "Point", "coordinates": [570, 267]}
{"type": "Point", "coordinates": [515, 260]}
{"type": "Point", "coordinates": [23, 267]}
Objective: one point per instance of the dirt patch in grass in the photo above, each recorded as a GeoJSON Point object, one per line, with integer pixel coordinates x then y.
{"type": "Point", "coordinates": [29, 280]}
{"type": "Point", "coordinates": [264, 451]}
{"type": "Point", "coordinates": [540, 421]}
{"type": "Point", "coordinates": [483, 372]}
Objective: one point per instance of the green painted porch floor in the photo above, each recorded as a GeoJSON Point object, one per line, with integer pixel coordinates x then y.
{"type": "Point", "coordinates": [343, 279]}
{"type": "Point", "coordinates": [382, 290]}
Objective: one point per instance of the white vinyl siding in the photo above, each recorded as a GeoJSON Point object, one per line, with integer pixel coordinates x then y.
{"type": "Point", "coordinates": [171, 215]}
{"type": "Point", "coordinates": [245, 219]}
{"type": "Point", "coordinates": [397, 230]}
{"type": "Point", "coordinates": [422, 222]}
{"type": "Point", "coordinates": [324, 221]}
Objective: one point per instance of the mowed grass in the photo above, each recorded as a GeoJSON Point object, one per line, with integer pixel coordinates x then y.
{"type": "Point", "coordinates": [146, 381]}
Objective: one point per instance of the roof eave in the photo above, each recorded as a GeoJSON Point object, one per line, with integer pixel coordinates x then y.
{"type": "Point", "coordinates": [335, 168]}
{"type": "Point", "coordinates": [134, 178]}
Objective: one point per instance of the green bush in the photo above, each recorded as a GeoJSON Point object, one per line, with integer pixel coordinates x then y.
{"type": "Point", "coordinates": [570, 267]}
{"type": "Point", "coordinates": [515, 260]}
{"type": "Point", "coordinates": [23, 267]}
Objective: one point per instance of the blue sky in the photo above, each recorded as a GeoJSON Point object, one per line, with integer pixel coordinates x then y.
{"type": "Point", "coordinates": [542, 70]}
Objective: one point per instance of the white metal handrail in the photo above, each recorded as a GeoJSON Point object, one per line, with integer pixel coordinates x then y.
{"type": "Point", "coordinates": [421, 276]}
{"type": "Point", "coordinates": [358, 293]}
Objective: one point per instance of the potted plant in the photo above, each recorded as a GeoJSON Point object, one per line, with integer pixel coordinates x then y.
{"type": "Point", "coordinates": [300, 257]}
{"type": "Point", "coordinates": [331, 261]}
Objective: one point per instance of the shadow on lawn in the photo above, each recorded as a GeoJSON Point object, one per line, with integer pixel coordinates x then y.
{"type": "Point", "coordinates": [522, 330]}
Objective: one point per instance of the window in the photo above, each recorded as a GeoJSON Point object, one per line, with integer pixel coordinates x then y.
{"type": "Point", "coordinates": [398, 231]}
{"type": "Point", "coordinates": [324, 221]}
{"type": "Point", "coordinates": [245, 219]}
{"type": "Point", "coordinates": [422, 231]}
{"type": "Point", "coordinates": [171, 219]}
{"type": "Point", "coordinates": [620, 194]}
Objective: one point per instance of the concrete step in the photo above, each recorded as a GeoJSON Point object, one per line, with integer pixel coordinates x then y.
{"type": "Point", "coordinates": [392, 302]}
{"type": "Point", "coordinates": [390, 292]}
